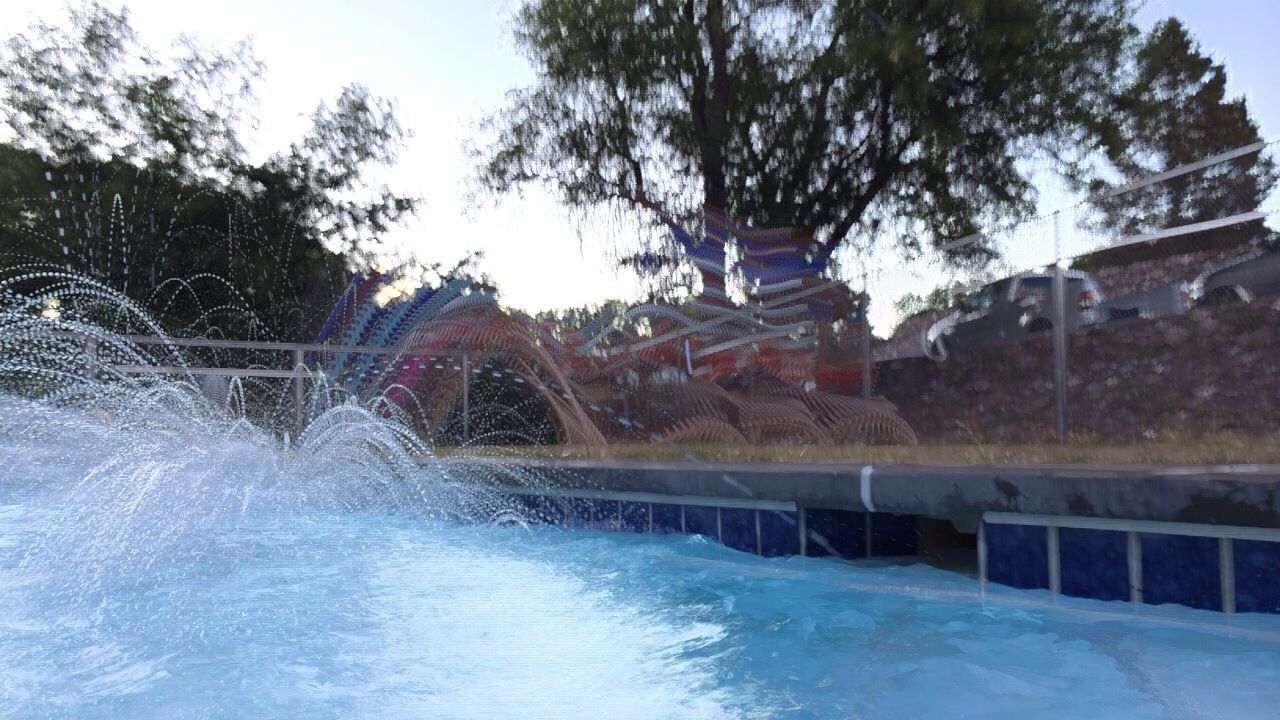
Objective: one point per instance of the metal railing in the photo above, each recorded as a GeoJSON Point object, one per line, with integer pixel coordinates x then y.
{"type": "Point", "coordinates": [1023, 248]}
{"type": "Point", "coordinates": [299, 373]}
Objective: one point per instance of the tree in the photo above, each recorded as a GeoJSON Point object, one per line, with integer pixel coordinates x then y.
{"type": "Point", "coordinates": [322, 179]}
{"type": "Point", "coordinates": [939, 298]}
{"type": "Point", "coordinates": [130, 167]}
{"type": "Point", "coordinates": [91, 91]}
{"type": "Point", "coordinates": [1178, 113]}
{"type": "Point", "coordinates": [826, 116]}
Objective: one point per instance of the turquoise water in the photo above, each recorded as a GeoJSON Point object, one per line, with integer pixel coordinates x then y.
{"type": "Point", "coordinates": [371, 615]}
{"type": "Point", "coordinates": [192, 568]}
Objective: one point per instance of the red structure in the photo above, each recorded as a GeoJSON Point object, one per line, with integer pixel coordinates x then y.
{"type": "Point", "coordinates": [707, 371]}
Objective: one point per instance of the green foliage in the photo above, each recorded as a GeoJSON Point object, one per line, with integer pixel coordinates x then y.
{"type": "Point", "coordinates": [1178, 113]}
{"type": "Point", "coordinates": [130, 167]}
{"type": "Point", "coordinates": [829, 116]}
{"type": "Point", "coordinates": [200, 260]}
{"type": "Point", "coordinates": [92, 91]}
{"type": "Point", "coordinates": [939, 298]}
{"type": "Point", "coordinates": [324, 175]}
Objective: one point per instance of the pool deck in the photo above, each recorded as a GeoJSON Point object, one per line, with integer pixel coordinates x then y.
{"type": "Point", "coordinates": [1234, 495]}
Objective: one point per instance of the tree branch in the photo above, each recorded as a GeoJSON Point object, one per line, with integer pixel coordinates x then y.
{"type": "Point", "coordinates": [887, 165]}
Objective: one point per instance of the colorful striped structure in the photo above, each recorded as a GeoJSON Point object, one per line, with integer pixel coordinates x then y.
{"type": "Point", "coordinates": [709, 370]}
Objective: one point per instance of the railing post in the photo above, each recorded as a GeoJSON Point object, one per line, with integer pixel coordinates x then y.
{"type": "Point", "coordinates": [759, 537]}
{"type": "Point", "coordinates": [466, 398]}
{"type": "Point", "coordinates": [91, 357]}
{"type": "Point", "coordinates": [1133, 558]}
{"type": "Point", "coordinates": [299, 393]}
{"type": "Point", "coordinates": [1053, 550]}
{"type": "Point", "coordinates": [982, 557]}
{"type": "Point", "coordinates": [866, 340]}
{"type": "Point", "coordinates": [1059, 338]}
{"type": "Point", "coordinates": [803, 529]}
{"type": "Point", "coordinates": [868, 534]}
{"type": "Point", "coordinates": [1227, 573]}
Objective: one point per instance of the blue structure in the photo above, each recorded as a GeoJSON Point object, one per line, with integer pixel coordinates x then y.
{"type": "Point", "coordinates": [1211, 567]}
{"type": "Point", "coordinates": [1206, 538]}
{"type": "Point", "coordinates": [765, 530]}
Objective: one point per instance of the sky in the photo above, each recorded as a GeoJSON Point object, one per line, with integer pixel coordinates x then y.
{"type": "Point", "coordinates": [448, 62]}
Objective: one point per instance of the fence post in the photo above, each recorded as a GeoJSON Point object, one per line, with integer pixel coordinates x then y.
{"type": "Point", "coordinates": [866, 339]}
{"type": "Point", "coordinates": [466, 398]}
{"type": "Point", "coordinates": [1059, 337]}
{"type": "Point", "coordinates": [299, 392]}
{"type": "Point", "coordinates": [91, 357]}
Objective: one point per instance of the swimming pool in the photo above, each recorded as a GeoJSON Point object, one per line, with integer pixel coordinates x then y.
{"type": "Point", "coordinates": [193, 567]}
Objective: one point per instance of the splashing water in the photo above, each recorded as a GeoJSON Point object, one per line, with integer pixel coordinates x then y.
{"type": "Point", "coordinates": [163, 556]}
{"type": "Point", "coordinates": [145, 466]}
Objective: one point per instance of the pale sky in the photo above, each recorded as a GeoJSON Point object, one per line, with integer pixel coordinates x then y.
{"type": "Point", "coordinates": [448, 62]}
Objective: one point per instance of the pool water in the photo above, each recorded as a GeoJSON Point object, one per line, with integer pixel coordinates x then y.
{"type": "Point", "coordinates": [135, 588]}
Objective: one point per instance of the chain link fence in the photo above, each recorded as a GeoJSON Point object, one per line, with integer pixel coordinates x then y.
{"type": "Point", "coordinates": [1144, 314]}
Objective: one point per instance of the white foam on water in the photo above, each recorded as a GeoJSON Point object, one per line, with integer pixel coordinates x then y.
{"type": "Point", "coordinates": [161, 557]}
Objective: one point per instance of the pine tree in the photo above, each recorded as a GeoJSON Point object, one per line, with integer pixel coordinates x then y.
{"type": "Point", "coordinates": [1179, 113]}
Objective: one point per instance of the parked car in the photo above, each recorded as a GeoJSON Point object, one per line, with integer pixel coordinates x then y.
{"type": "Point", "coordinates": [1243, 278]}
{"type": "Point", "coordinates": [1011, 308]}
{"type": "Point", "coordinates": [1169, 299]}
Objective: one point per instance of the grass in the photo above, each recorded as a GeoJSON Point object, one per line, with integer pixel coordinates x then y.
{"type": "Point", "coordinates": [1216, 449]}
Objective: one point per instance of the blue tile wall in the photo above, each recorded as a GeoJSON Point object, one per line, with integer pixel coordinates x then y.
{"type": "Point", "coordinates": [841, 533]}
{"type": "Point", "coordinates": [738, 528]}
{"type": "Point", "coordinates": [579, 511]}
{"type": "Point", "coordinates": [779, 533]}
{"type": "Point", "coordinates": [1176, 569]}
{"type": "Point", "coordinates": [1257, 568]}
{"type": "Point", "coordinates": [552, 510]}
{"type": "Point", "coordinates": [893, 534]}
{"type": "Point", "coordinates": [700, 520]}
{"type": "Point", "coordinates": [635, 516]}
{"type": "Point", "coordinates": [1180, 569]}
{"type": "Point", "coordinates": [603, 512]}
{"type": "Point", "coordinates": [528, 506]}
{"type": "Point", "coordinates": [1094, 563]}
{"type": "Point", "coordinates": [666, 518]}
{"type": "Point", "coordinates": [1017, 555]}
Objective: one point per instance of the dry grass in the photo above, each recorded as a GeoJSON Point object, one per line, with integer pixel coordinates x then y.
{"type": "Point", "coordinates": [1217, 449]}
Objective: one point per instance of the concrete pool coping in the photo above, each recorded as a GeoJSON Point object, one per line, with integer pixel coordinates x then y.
{"type": "Point", "coordinates": [1235, 495]}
